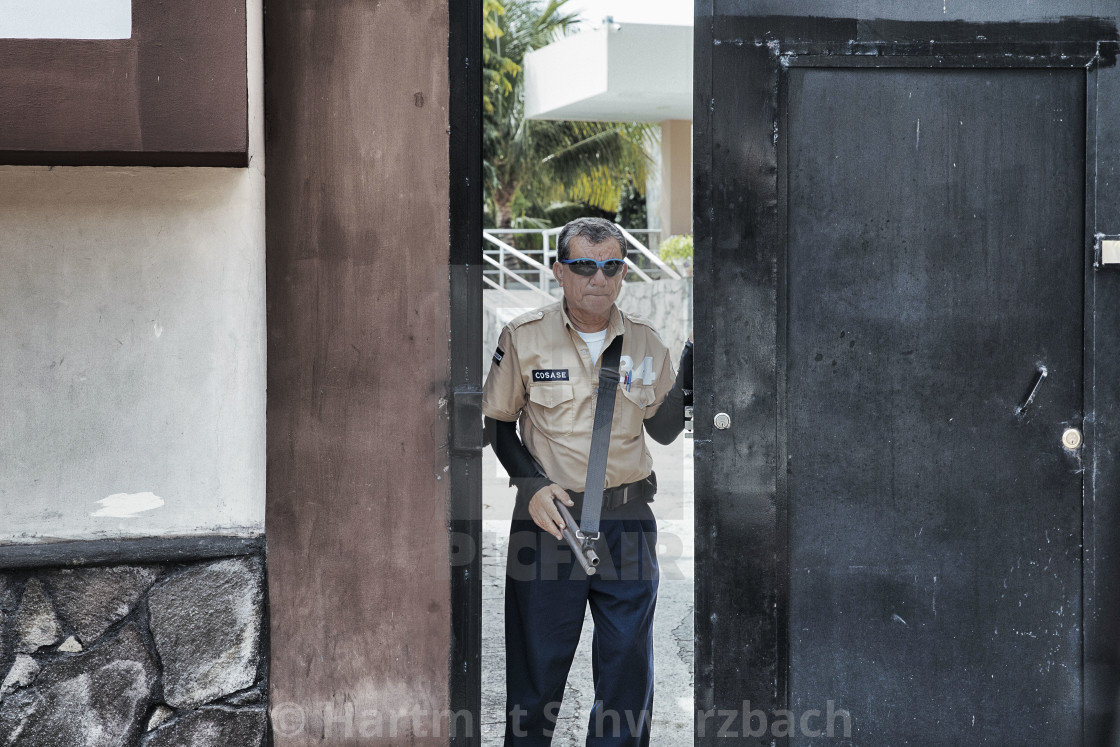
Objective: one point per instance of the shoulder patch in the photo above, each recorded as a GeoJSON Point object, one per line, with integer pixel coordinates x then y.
{"type": "Point", "coordinates": [530, 316]}
{"type": "Point", "coordinates": [636, 319]}
{"type": "Point", "coordinates": [650, 333]}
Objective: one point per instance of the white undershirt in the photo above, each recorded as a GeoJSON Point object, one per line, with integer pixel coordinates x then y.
{"type": "Point", "coordinates": [594, 342]}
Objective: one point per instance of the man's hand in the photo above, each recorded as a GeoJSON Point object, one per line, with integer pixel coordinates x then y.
{"type": "Point", "coordinates": [544, 511]}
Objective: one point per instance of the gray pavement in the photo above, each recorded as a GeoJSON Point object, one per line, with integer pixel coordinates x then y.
{"type": "Point", "coordinates": [673, 709]}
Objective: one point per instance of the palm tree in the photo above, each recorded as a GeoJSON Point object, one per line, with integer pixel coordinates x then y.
{"type": "Point", "coordinates": [534, 169]}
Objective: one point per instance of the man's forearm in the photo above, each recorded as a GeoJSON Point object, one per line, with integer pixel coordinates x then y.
{"type": "Point", "coordinates": [514, 457]}
{"type": "Point", "coordinates": [667, 423]}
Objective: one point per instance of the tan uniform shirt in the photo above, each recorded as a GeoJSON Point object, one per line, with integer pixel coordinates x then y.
{"type": "Point", "coordinates": [543, 374]}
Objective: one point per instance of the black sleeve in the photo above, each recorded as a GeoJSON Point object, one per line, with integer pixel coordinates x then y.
{"type": "Point", "coordinates": [518, 462]}
{"type": "Point", "coordinates": [668, 422]}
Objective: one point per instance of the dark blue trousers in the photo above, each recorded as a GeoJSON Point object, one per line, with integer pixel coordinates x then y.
{"type": "Point", "coordinates": [546, 595]}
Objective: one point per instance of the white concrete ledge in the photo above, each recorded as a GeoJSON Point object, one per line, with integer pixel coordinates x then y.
{"type": "Point", "coordinates": [628, 72]}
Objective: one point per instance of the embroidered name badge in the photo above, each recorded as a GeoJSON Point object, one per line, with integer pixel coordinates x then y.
{"type": "Point", "coordinates": [550, 374]}
{"type": "Point", "coordinates": [498, 355]}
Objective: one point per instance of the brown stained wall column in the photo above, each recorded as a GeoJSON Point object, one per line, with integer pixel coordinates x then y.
{"type": "Point", "coordinates": [357, 188]}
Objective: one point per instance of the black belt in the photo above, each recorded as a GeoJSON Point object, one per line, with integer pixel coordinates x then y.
{"type": "Point", "coordinates": [622, 494]}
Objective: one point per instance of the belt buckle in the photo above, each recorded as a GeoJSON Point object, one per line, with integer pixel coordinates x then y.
{"type": "Point", "coordinates": [630, 492]}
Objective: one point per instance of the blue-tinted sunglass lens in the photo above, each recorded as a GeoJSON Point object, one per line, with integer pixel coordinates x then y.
{"type": "Point", "coordinates": [588, 267]}
{"type": "Point", "coordinates": [583, 267]}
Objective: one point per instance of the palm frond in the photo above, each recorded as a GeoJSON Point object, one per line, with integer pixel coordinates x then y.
{"type": "Point", "coordinates": [537, 163]}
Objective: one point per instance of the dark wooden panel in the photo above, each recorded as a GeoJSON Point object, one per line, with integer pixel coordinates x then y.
{"type": "Point", "coordinates": [358, 329]}
{"type": "Point", "coordinates": [740, 568]}
{"type": "Point", "coordinates": [1102, 428]}
{"type": "Point", "coordinates": [936, 265]}
{"type": "Point", "coordinates": [742, 50]}
{"type": "Point", "coordinates": [191, 60]}
{"type": "Point", "coordinates": [916, 14]}
{"type": "Point", "coordinates": [175, 94]}
{"type": "Point", "coordinates": [897, 34]}
{"type": "Point", "coordinates": [68, 94]}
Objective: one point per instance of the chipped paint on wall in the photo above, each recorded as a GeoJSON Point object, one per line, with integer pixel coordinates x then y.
{"type": "Point", "coordinates": [127, 505]}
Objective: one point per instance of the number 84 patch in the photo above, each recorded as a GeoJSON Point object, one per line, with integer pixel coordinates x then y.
{"type": "Point", "coordinates": [644, 372]}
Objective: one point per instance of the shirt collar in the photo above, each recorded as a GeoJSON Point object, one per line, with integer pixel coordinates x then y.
{"type": "Point", "coordinates": [614, 321]}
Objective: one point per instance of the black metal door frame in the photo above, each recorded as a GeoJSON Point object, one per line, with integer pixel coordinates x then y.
{"type": "Point", "coordinates": [464, 61]}
{"type": "Point", "coordinates": [742, 533]}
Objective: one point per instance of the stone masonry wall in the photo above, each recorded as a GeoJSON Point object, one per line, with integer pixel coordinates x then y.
{"type": "Point", "coordinates": [152, 655]}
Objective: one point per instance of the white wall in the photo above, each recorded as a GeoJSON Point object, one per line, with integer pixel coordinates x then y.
{"type": "Point", "coordinates": [132, 345]}
{"type": "Point", "coordinates": [569, 70]}
{"type": "Point", "coordinates": [65, 19]}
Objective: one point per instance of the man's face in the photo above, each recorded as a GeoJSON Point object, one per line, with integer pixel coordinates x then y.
{"type": "Point", "coordinates": [589, 296]}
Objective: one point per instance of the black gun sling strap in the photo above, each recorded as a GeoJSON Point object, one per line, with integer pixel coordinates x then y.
{"type": "Point", "coordinates": [600, 440]}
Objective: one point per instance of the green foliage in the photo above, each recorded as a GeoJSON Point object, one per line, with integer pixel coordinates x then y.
{"type": "Point", "coordinates": [560, 213]}
{"type": "Point", "coordinates": [676, 248]}
{"type": "Point", "coordinates": [531, 166]}
{"type": "Point", "coordinates": [498, 71]}
{"type": "Point", "coordinates": [631, 207]}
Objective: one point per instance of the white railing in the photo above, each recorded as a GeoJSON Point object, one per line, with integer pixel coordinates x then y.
{"type": "Point", "coordinates": [504, 272]}
{"type": "Point", "coordinates": [665, 269]}
{"type": "Point", "coordinates": [510, 268]}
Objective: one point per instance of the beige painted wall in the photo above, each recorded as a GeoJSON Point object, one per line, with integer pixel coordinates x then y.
{"type": "Point", "coordinates": [676, 177]}
{"type": "Point", "coordinates": [132, 345]}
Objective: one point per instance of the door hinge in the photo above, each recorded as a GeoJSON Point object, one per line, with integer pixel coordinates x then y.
{"type": "Point", "coordinates": [466, 421]}
{"type": "Point", "coordinates": [1106, 251]}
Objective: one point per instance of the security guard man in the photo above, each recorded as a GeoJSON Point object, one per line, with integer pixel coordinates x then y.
{"type": "Point", "coordinates": [543, 377]}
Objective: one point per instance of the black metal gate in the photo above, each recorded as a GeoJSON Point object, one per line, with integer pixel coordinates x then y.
{"type": "Point", "coordinates": [907, 533]}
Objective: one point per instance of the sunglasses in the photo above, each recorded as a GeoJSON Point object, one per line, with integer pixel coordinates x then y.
{"type": "Point", "coordinates": [588, 267]}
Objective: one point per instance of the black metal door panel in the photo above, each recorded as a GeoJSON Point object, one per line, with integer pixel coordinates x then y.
{"type": "Point", "coordinates": [935, 283]}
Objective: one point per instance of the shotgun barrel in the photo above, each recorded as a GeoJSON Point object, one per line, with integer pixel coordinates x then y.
{"type": "Point", "coordinates": [581, 546]}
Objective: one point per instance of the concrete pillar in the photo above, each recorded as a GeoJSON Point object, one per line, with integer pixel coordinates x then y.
{"type": "Point", "coordinates": [676, 177]}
